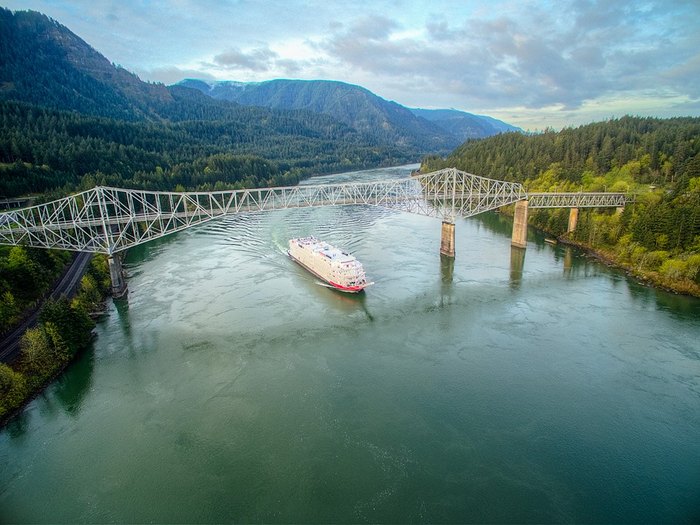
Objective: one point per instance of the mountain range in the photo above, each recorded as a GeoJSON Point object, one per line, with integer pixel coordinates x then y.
{"type": "Point", "coordinates": [360, 109]}
{"type": "Point", "coordinates": [56, 92]}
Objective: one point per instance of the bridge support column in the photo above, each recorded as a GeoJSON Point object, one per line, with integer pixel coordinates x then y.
{"type": "Point", "coordinates": [447, 239]}
{"type": "Point", "coordinates": [116, 272]}
{"type": "Point", "coordinates": [519, 238]}
{"type": "Point", "coordinates": [573, 220]}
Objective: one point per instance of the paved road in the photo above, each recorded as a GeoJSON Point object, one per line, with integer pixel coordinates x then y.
{"type": "Point", "coordinates": [66, 286]}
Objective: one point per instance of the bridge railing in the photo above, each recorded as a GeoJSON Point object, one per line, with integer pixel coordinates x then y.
{"type": "Point", "coordinates": [577, 200]}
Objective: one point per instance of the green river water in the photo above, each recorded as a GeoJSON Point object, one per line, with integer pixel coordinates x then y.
{"type": "Point", "coordinates": [231, 386]}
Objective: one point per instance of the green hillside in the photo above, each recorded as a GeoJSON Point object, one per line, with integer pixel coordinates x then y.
{"type": "Point", "coordinates": [44, 150]}
{"type": "Point", "coordinates": [656, 159]}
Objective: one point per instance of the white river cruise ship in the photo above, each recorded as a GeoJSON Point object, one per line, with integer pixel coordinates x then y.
{"type": "Point", "coordinates": [334, 266]}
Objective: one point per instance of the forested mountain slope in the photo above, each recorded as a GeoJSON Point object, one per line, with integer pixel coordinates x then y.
{"type": "Point", "coordinates": [45, 149]}
{"type": "Point", "coordinates": [44, 63]}
{"type": "Point", "coordinates": [356, 106]}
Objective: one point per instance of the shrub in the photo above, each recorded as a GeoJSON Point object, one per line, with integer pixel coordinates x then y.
{"type": "Point", "coordinates": [13, 389]}
{"type": "Point", "coordinates": [693, 268]}
{"type": "Point", "coordinates": [653, 260]}
{"type": "Point", "coordinates": [674, 269]}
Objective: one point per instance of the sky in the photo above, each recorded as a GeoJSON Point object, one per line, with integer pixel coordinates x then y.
{"type": "Point", "coordinates": [532, 63]}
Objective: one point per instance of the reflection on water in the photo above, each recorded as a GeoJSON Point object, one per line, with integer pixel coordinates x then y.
{"type": "Point", "coordinates": [447, 268]}
{"type": "Point", "coordinates": [517, 261]}
{"type": "Point", "coordinates": [18, 426]}
{"type": "Point", "coordinates": [497, 223]}
{"type": "Point", "coordinates": [568, 259]}
{"type": "Point", "coordinates": [65, 396]}
{"type": "Point", "coordinates": [121, 307]}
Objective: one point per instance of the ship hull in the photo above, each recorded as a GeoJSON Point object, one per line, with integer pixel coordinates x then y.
{"type": "Point", "coordinates": [335, 286]}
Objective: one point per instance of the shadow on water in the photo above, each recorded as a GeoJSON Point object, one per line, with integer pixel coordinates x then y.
{"type": "Point", "coordinates": [347, 303]}
{"type": "Point", "coordinates": [122, 308]}
{"type": "Point", "coordinates": [680, 306]}
{"type": "Point", "coordinates": [354, 301]}
{"type": "Point", "coordinates": [72, 387]}
{"type": "Point", "coordinates": [517, 262]}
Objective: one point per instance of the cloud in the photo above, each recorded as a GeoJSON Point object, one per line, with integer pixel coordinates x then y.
{"type": "Point", "coordinates": [173, 74]}
{"type": "Point", "coordinates": [260, 59]}
{"type": "Point", "coordinates": [533, 56]}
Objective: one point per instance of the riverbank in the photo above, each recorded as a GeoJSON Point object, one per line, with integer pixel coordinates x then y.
{"type": "Point", "coordinates": [63, 333]}
{"type": "Point", "coordinates": [66, 284]}
{"type": "Point", "coordinates": [37, 390]}
{"type": "Point", "coordinates": [647, 277]}
{"type": "Point", "coordinates": [613, 259]}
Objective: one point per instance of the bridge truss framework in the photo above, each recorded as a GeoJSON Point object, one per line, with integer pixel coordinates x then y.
{"type": "Point", "coordinates": [109, 220]}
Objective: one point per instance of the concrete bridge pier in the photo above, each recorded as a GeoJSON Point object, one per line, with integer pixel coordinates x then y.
{"type": "Point", "coordinates": [116, 272]}
{"type": "Point", "coordinates": [447, 239]}
{"type": "Point", "coordinates": [519, 238]}
{"type": "Point", "coordinates": [573, 220]}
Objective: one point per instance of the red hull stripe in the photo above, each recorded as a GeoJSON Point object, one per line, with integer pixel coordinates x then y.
{"type": "Point", "coordinates": [345, 288]}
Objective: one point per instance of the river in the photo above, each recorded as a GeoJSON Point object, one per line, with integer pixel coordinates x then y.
{"type": "Point", "coordinates": [503, 386]}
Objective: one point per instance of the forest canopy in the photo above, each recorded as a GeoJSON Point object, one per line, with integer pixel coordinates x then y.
{"type": "Point", "coordinates": [51, 150]}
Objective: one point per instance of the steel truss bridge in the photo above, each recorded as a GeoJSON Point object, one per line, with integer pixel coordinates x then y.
{"type": "Point", "coordinates": [110, 220]}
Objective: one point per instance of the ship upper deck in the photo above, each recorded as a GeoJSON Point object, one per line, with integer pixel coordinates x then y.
{"type": "Point", "coordinates": [325, 249]}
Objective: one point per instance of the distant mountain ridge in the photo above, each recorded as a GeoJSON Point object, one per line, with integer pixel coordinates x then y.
{"type": "Point", "coordinates": [353, 105]}
{"type": "Point", "coordinates": [359, 108]}
{"type": "Point", "coordinates": [463, 125]}
{"type": "Point", "coordinates": [42, 62]}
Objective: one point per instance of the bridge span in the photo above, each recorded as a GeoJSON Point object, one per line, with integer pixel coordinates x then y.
{"type": "Point", "coordinates": [110, 220]}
